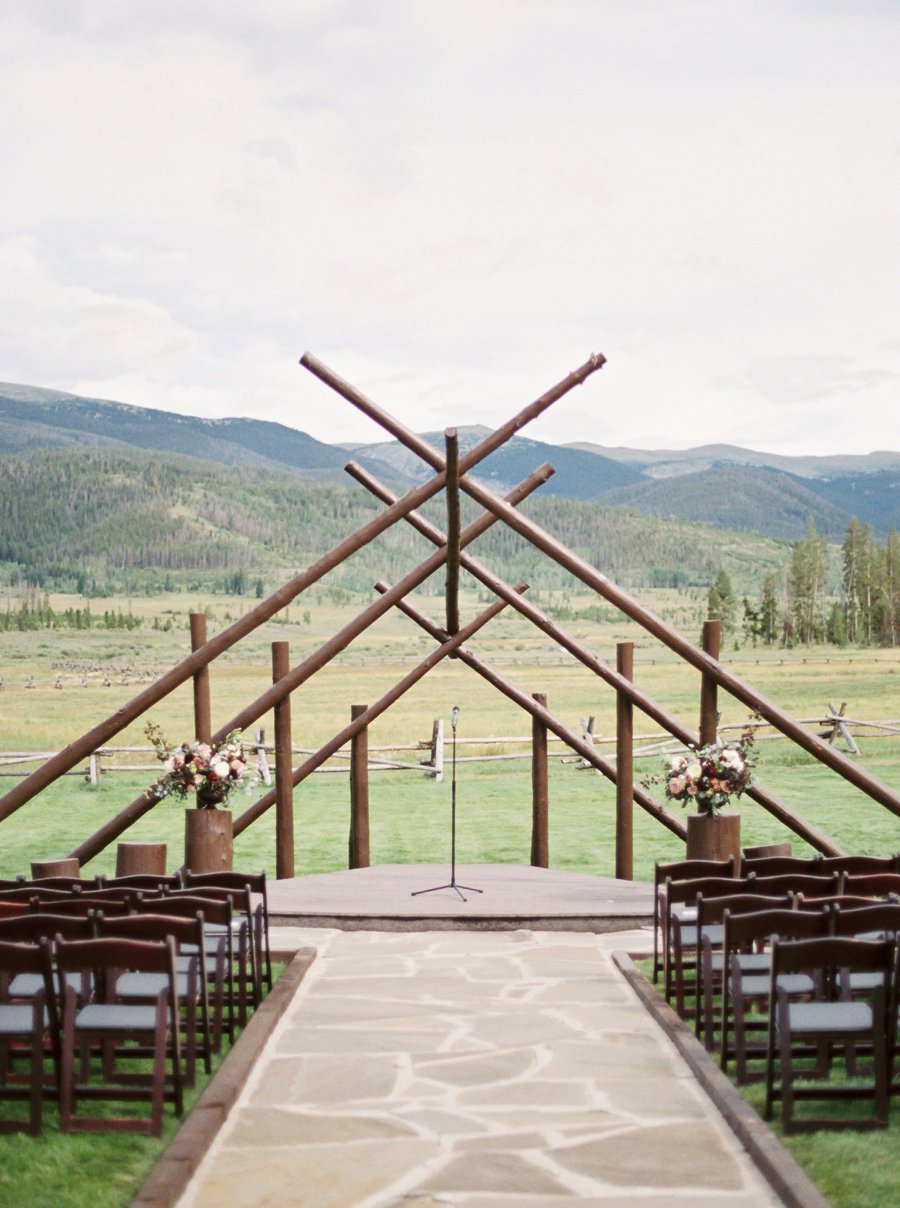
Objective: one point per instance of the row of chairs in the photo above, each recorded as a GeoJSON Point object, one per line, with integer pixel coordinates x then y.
{"type": "Point", "coordinates": [90, 977]}
{"type": "Point", "coordinates": [676, 885]}
{"type": "Point", "coordinates": [785, 964]}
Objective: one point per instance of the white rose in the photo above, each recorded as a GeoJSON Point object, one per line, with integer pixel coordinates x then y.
{"type": "Point", "coordinates": [694, 770]}
{"type": "Point", "coordinates": [219, 770]}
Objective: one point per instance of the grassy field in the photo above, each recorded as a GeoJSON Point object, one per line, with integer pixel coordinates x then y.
{"type": "Point", "coordinates": [57, 684]}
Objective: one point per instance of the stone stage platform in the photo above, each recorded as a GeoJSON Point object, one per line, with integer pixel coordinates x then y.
{"type": "Point", "coordinates": [512, 897]}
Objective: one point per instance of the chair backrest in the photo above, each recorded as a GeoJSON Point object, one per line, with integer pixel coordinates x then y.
{"type": "Point", "coordinates": [69, 884]}
{"type": "Point", "coordinates": [712, 910]}
{"type": "Point", "coordinates": [683, 870]}
{"type": "Point", "coordinates": [844, 900]}
{"type": "Point", "coordinates": [229, 879]}
{"type": "Point", "coordinates": [809, 886]}
{"type": "Point", "coordinates": [81, 905]}
{"type": "Point", "coordinates": [861, 920]}
{"type": "Point", "coordinates": [31, 927]}
{"type": "Point", "coordinates": [744, 931]}
{"type": "Point", "coordinates": [183, 929]}
{"type": "Point", "coordinates": [144, 956]}
{"type": "Point", "coordinates": [830, 953]}
{"type": "Point", "coordinates": [214, 910]}
{"type": "Point", "coordinates": [145, 880]}
{"type": "Point", "coordinates": [11, 910]}
{"type": "Point", "coordinates": [860, 865]}
{"type": "Point", "coordinates": [872, 885]}
{"type": "Point", "coordinates": [713, 887]}
{"type": "Point", "coordinates": [24, 893]}
{"type": "Point", "coordinates": [775, 866]}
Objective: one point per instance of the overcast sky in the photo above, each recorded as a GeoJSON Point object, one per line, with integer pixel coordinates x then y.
{"type": "Point", "coordinates": [453, 203]}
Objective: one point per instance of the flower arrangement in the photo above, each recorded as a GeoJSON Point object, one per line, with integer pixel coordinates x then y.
{"type": "Point", "coordinates": [201, 773]}
{"type": "Point", "coordinates": [710, 776]}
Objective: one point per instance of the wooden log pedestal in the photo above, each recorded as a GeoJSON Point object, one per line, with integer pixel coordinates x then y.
{"type": "Point", "coordinates": [134, 858]}
{"type": "Point", "coordinates": [714, 837]}
{"type": "Point", "coordinates": [55, 868]}
{"type": "Point", "coordinates": [208, 840]}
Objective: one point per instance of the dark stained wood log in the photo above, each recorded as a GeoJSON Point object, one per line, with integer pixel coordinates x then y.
{"type": "Point", "coordinates": [709, 689]}
{"type": "Point", "coordinates": [134, 858]}
{"type": "Point", "coordinates": [202, 704]}
{"type": "Point", "coordinates": [540, 790]}
{"type": "Point", "coordinates": [453, 526]}
{"type": "Point", "coordinates": [208, 845]}
{"type": "Point", "coordinates": [285, 856]}
{"type": "Point", "coordinates": [359, 793]}
{"type": "Point", "coordinates": [624, 767]}
{"type": "Point", "coordinates": [55, 868]}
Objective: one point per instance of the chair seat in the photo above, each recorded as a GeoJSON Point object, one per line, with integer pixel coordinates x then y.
{"type": "Point", "coordinates": [148, 985]}
{"type": "Point", "coordinates": [115, 1017]}
{"type": "Point", "coordinates": [17, 1019]}
{"type": "Point", "coordinates": [26, 985]}
{"type": "Point", "coordinates": [865, 981]}
{"type": "Point", "coordinates": [811, 1018]}
{"type": "Point", "coordinates": [792, 983]}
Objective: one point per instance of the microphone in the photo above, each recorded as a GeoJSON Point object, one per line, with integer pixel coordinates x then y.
{"type": "Point", "coordinates": [454, 716]}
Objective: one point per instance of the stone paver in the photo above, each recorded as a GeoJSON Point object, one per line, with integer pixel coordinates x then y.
{"type": "Point", "coordinates": [487, 1070]}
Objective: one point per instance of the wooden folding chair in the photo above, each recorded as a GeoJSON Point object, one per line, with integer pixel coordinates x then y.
{"type": "Point", "coordinates": [810, 885]}
{"type": "Point", "coordinates": [678, 870]}
{"type": "Point", "coordinates": [827, 1022]}
{"type": "Point", "coordinates": [745, 991]}
{"type": "Point", "coordinates": [218, 943]}
{"type": "Point", "coordinates": [679, 922]}
{"type": "Point", "coordinates": [115, 1026]}
{"type": "Point", "coordinates": [713, 966]}
{"type": "Point", "coordinates": [191, 977]}
{"type": "Point", "coordinates": [150, 881]}
{"type": "Point", "coordinates": [256, 883]}
{"type": "Point", "coordinates": [31, 1027]}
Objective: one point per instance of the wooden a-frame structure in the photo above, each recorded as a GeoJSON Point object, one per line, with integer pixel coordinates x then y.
{"type": "Point", "coordinates": [452, 476]}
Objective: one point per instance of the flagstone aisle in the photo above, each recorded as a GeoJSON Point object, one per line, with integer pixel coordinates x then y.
{"type": "Point", "coordinates": [491, 1070]}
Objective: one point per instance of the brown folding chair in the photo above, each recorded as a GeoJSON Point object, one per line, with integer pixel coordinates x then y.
{"type": "Point", "coordinates": [745, 991]}
{"type": "Point", "coordinates": [256, 883]}
{"type": "Point", "coordinates": [190, 972]}
{"type": "Point", "coordinates": [810, 886]}
{"type": "Point", "coordinates": [31, 1027]}
{"type": "Point", "coordinates": [827, 1021]}
{"type": "Point", "coordinates": [117, 1027]}
{"type": "Point", "coordinates": [219, 950]}
{"type": "Point", "coordinates": [860, 865]}
{"type": "Point", "coordinates": [678, 870]}
{"type": "Point", "coordinates": [713, 967]}
{"type": "Point", "coordinates": [679, 921]}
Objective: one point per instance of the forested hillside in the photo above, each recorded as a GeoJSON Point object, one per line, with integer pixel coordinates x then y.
{"type": "Point", "coordinates": [99, 519]}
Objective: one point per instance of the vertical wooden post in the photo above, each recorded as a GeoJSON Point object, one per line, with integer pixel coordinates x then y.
{"type": "Point", "coordinates": [359, 793]}
{"type": "Point", "coordinates": [437, 750]}
{"type": "Point", "coordinates": [284, 782]}
{"type": "Point", "coordinates": [540, 795]}
{"type": "Point", "coordinates": [709, 709]}
{"type": "Point", "coordinates": [202, 709]}
{"type": "Point", "coordinates": [624, 767]}
{"type": "Point", "coordinates": [453, 526]}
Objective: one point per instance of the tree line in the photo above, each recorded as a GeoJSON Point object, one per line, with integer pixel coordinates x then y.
{"type": "Point", "coordinates": [802, 604]}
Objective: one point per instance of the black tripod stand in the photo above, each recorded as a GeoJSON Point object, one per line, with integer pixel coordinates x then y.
{"type": "Point", "coordinates": [454, 719]}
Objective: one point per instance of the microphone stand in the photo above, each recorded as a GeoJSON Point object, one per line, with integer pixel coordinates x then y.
{"type": "Point", "coordinates": [454, 718]}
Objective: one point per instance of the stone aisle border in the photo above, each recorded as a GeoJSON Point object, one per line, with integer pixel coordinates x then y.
{"type": "Point", "coordinates": [507, 1070]}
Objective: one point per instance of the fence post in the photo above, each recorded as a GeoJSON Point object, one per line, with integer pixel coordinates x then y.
{"type": "Point", "coordinates": [202, 709]}
{"type": "Point", "coordinates": [709, 709]}
{"type": "Point", "coordinates": [437, 750]}
{"type": "Point", "coordinates": [540, 838]}
{"type": "Point", "coordinates": [359, 793]}
{"type": "Point", "coordinates": [624, 767]}
{"type": "Point", "coordinates": [284, 769]}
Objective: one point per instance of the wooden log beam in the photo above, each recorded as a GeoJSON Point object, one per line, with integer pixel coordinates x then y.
{"type": "Point", "coordinates": [660, 629]}
{"type": "Point", "coordinates": [101, 733]}
{"type": "Point", "coordinates": [452, 492]}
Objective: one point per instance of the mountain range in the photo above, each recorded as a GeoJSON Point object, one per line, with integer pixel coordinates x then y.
{"type": "Point", "coordinates": [727, 486]}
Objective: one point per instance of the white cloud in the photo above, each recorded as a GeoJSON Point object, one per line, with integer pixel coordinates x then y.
{"type": "Point", "coordinates": [454, 204]}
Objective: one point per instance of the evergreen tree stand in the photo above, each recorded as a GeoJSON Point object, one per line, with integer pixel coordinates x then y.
{"type": "Point", "coordinates": [714, 837]}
